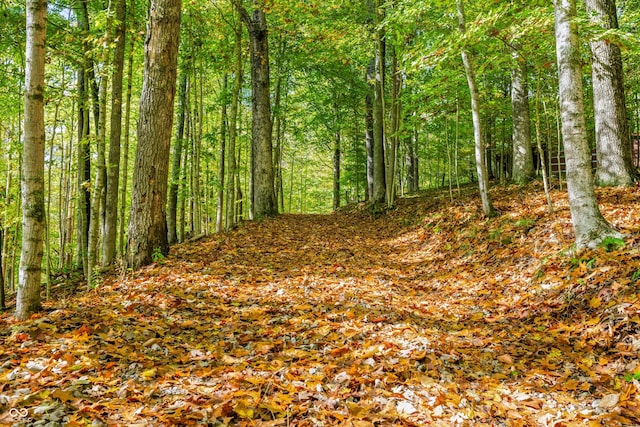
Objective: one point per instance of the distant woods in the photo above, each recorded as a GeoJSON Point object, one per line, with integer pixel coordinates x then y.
{"type": "Point", "coordinates": [146, 124]}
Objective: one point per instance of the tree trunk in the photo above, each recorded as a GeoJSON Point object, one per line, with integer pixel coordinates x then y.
{"type": "Point", "coordinates": [613, 145]}
{"type": "Point", "coordinates": [98, 185]}
{"type": "Point", "coordinates": [84, 154]}
{"type": "Point", "coordinates": [588, 224]}
{"type": "Point", "coordinates": [481, 166]}
{"type": "Point", "coordinates": [174, 185]}
{"type": "Point", "coordinates": [221, 166]}
{"type": "Point", "coordinates": [368, 124]}
{"type": "Point", "coordinates": [197, 148]}
{"type": "Point", "coordinates": [262, 176]}
{"type": "Point", "coordinates": [379, 170]}
{"type": "Point", "coordinates": [33, 209]}
{"type": "Point", "coordinates": [233, 127]}
{"type": "Point", "coordinates": [127, 127]}
{"type": "Point", "coordinates": [113, 166]}
{"type": "Point", "coordinates": [393, 139]}
{"type": "Point", "coordinates": [522, 171]}
{"type": "Point", "coordinates": [147, 226]}
{"type": "Point", "coordinates": [336, 169]}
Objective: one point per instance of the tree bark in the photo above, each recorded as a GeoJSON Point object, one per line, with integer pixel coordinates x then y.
{"type": "Point", "coordinates": [113, 165]}
{"type": "Point", "coordinates": [522, 171]}
{"type": "Point", "coordinates": [613, 144]}
{"type": "Point", "coordinates": [127, 127]}
{"type": "Point", "coordinates": [148, 227]}
{"type": "Point", "coordinates": [264, 201]}
{"type": "Point", "coordinates": [84, 154]}
{"type": "Point", "coordinates": [221, 166]}
{"type": "Point", "coordinates": [174, 185]}
{"type": "Point", "coordinates": [368, 123]}
{"type": "Point", "coordinates": [481, 166]}
{"type": "Point", "coordinates": [379, 169]}
{"type": "Point", "coordinates": [336, 168]}
{"type": "Point", "coordinates": [588, 224]}
{"type": "Point", "coordinates": [233, 126]}
{"type": "Point", "coordinates": [33, 207]}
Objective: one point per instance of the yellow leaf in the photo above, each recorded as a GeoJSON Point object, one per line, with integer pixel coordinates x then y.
{"type": "Point", "coordinates": [243, 410]}
{"type": "Point", "coordinates": [595, 302]}
{"type": "Point", "coordinates": [149, 374]}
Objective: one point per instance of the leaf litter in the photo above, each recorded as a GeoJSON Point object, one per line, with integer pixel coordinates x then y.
{"type": "Point", "coordinates": [427, 315]}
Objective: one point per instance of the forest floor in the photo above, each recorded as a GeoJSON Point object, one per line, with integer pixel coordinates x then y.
{"type": "Point", "coordinates": [429, 314]}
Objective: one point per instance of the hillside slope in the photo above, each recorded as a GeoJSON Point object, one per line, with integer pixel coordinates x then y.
{"type": "Point", "coordinates": [427, 315]}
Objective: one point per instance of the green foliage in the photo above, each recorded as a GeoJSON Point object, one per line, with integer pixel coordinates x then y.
{"type": "Point", "coordinates": [610, 243]}
{"type": "Point", "coordinates": [157, 256]}
{"type": "Point", "coordinates": [632, 376]}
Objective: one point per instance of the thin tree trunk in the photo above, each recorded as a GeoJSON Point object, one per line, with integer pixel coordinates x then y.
{"type": "Point", "coordinates": [233, 131]}
{"type": "Point", "coordinates": [221, 166]}
{"type": "Point", "coordinates": [369, 128]}
{"type": "Point", "coordinates": [481, 167]}
{"type": "Point", "coordinates": [174, 185]}
{"type": "Point", "coordinates": [588, 224]}
{"type": "Point", "coordinates": [113, 166]}
{"type": "Point", "coordinates": [84, 154]}
{"type": "Point", "coordinates": [379, 169]}
{"type": "Point", "coordinates": [127, 128]}
{"type": "Point", "coordinates": [148, 227]}
{"type": "Point", "coordinates": [336, 169]}
{"type": "Point", "coordinates": [33, 208]}
{"type": "Point", "coordinates": [98, 185]}
{"type": "Point", "coordinates": [393, 139]}
{"type": "Point", "coordinates": [545, 179]}
{"type": "Point", "coordinates": [197, 148]}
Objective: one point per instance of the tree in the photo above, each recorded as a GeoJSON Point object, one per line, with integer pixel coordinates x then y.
{"type": "Point", "coordinates": [522, 154]}
{"type": "Point", "coordinates": [613, 146]}
{"type": "Point", "coordinates": [148, 228]}
{"type": "Point", "coordinates": [379, 170]}
{"type": "Point", "coordinates": [263, 196]}
{"type": "Point", "coordinates": [33, 214]}
{"type": "Point", "coordinates": [588, 224]}
{"type": "Point", "coordinates": [172, 209]}
{"type": "Point", "coordinates": [113, 164]}
{"type": "Point", "coordinates": [481, 166]}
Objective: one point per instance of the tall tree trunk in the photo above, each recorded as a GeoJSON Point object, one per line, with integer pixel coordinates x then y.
{"type": "Point", "coordinates": [84, 153]}
{"type": "Point", "coordinates": [369, 127]}
{"type": "Point", "coordinates": [481, 166]}
{"type": "Point", "coordinates": [33, 209]}
{"type": "Point", "coordinates": [262, 176]}
{"type": "Point", "coordinates": [221, 166]}
{"type": "Point", "coordinates": [2, 286]}
{"type": "Point", "coordinates": [233, 130]}
{"type": "Point", "coordinates": [393, 138]}
{"type": "Point", "coordinates": [174, 185]}
{"type": "Point", "coordinates": [613, 145]}
{"type": "Point", "coordinates": [196, 155]}
{"type": "Point", "coordinates": [98, 185]}
{"type": "Point", "coordinates": [588, 224]}
{"type": "Point", "coordinates": [379, 170]}
{"type": "Point", "coordinates": [127, 127]}
{"type": "Point", "coordinates": [522, 171]}
{"type": "Point", "coordinates": [113, 166]}
{"type": "Point", "coordinates": [148, 227]}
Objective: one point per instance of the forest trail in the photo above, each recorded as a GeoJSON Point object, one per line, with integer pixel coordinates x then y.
{"type": "Point", "coordinates": [426, 315]}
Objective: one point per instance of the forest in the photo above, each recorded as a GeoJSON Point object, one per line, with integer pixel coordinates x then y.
{"type": "Point", "coordinates": [166, 162]}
